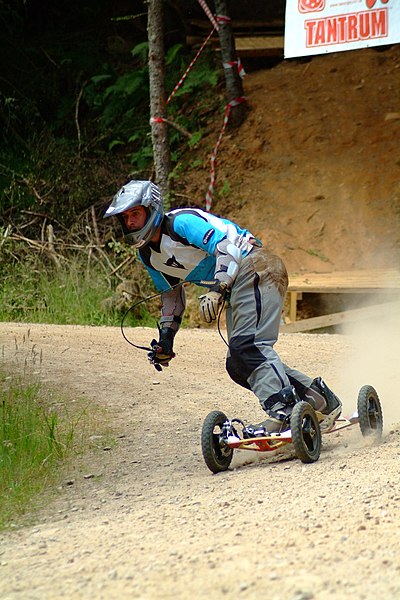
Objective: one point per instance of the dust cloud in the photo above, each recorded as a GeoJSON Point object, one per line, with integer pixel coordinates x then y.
{"type": "Point", "coordinates": [374, 359]}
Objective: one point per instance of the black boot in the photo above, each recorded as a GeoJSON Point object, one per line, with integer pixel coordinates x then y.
{"type": "Point", "coordinates": [278, 408]}
{"type": "Point", "coordinates": [333, 404]}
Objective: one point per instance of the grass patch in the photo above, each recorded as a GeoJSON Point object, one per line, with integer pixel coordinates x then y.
{"type": "Point", "coordinates": [68, 295]}
{"type": "Point", "coordinates": [35, 292]}
{"type": "Point", "coordinates": [40, 432]}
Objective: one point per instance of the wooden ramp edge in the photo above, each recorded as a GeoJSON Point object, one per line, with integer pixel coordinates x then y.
{"type": "Point", "coordinates": [354, 282]}
{"type": "Point", "coordinates": [348, 316]}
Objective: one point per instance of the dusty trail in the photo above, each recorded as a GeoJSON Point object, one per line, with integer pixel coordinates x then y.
{"type": "Point", "coordinates": [154, 522]}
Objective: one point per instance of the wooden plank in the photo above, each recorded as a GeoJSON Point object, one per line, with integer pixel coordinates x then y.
{"type": "Point", "coordinates": [347, 316]}
{"type": "Point", "coordinates": [272, 24]}
{"type": "Point", "coordinates": [293, 305]}
{"type": "Point", "coordinates": [346, 281]}
{"type": "Point", "coordinates": [257, 42]}
{"type": "Point", "coordinates": [247, 46]}
{"type": "Point", "coordinates": [259, 45]}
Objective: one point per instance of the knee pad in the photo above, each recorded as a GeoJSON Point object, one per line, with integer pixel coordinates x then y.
{"type": "Point", "coordinates": [235, 373]}
{"type": "Point", "coordinates": [244, 357]}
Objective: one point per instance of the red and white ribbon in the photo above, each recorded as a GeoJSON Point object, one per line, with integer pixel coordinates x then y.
{"type": "Point", "coordinates": [231, 64]}
{"type": "Point", "coordinates": [209, 14]}
{"type": "Point", "coordinates": [214, 153]}
{"type": "Point", "coordinates": [223, 19]}
{"type": "Point", "coordinates": [186, 73]}
{"type": "Point", "coordinates": [228, 107]}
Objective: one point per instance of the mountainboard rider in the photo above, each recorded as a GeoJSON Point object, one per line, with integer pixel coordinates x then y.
{"type": "Point", "coordinates": [192, 245]}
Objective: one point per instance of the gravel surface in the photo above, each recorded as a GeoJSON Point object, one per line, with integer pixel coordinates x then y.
{"type": "Point", "coordinates": [145, 519]}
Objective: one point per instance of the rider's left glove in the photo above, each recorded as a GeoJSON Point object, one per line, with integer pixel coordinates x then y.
{"type": "Point", "coordinates": [163, 349]}
{"type": "Point", "coordinates": [210, 302]}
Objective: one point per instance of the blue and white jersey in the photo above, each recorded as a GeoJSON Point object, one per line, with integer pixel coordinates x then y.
{"type": "Point", "coordinates": [187, 247]}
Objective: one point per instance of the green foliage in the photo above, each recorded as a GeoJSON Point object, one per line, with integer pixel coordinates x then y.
{"type": "Point", "coordinates": [195, 139]}
{"type": "Point", "coordinates": [196, 163]}
{"type": "Point", "coordinates": [201, 77]}
{"type": "Point", "coordinates": [70, 103]}
{"type": "Point", "coordinates": [56, 183]}
{"type": "Point", "coordinates": [14, 196]}
{"type": "Point", "coordinates": [40, 293]}
{"type": "Point", "coordinates": [141, 51]}
{"type": "Point", "coordinates": [120, 100]}
{"type": "Point", "coordinates": [225, 191]}
{"type": "Point", "coordinates": [74, 116]}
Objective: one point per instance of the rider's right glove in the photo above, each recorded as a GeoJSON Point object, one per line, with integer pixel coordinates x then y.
{"type": "Point", "coordinates": [210, 302]}
{"type": "Point", "coordinates": [163, 349]}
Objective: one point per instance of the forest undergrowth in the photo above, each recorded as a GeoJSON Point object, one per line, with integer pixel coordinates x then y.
{"type": "Point", "coordinates": [60, 261]}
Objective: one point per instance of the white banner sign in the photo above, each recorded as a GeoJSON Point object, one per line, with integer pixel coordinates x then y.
{"type": "Point", "coordinates": [319, 26]}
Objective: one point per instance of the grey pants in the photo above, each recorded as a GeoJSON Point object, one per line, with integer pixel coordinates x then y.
{"type": "Point", "coordinates": [253, 318]}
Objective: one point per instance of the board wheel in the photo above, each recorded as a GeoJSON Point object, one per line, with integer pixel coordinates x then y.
{"type": "Point", "coordinates": [306, 432]}
{"type": "Point", "coordinates": [217, 455]}
{"type": "Point", "coordinates": [370, 412]}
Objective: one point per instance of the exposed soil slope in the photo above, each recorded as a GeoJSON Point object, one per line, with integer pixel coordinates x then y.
{"type": "Point", "coordinates": [315, 169]}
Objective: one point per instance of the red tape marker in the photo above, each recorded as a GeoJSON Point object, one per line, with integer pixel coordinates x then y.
{"type": "Point", "coordinates": [214, 153]}
{"type": "Point", "coordinates": [231, 64]}
{"type": "Point", "coordinates": [223, 19]}
{"type": "Point", "coordinates": [228, 107]}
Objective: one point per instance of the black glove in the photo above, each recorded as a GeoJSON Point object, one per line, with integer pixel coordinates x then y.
{"type": "Point", "coordinates": [210, 302]}
{"type": "Point", "coordinates": [162, 351]}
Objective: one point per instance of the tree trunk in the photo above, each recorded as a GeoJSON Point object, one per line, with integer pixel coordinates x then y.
{"type": "Point", "coordinates": [158, 108]}
{"type": "Point", "coordinates": [233, 81]}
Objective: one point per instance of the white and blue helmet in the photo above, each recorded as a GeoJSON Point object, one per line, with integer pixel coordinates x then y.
{"type": "Point", "coordinates": [138, 193]}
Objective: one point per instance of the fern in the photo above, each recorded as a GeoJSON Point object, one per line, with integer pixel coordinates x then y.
{"type": "Point", "coordinates": [121, 101]}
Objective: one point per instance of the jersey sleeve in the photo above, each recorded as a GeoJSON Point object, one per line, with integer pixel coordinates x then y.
{"type": "Point", "coordinates": [198, 232]}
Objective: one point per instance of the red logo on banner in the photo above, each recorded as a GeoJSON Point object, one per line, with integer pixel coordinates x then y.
{"type": "Point", "coordinates": [371, 3]}
{"type": "Point", "coordinates": [306, 6]}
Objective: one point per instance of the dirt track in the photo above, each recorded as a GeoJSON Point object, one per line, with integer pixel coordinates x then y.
{"type": "Point", "coordinates": [154, 522]}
